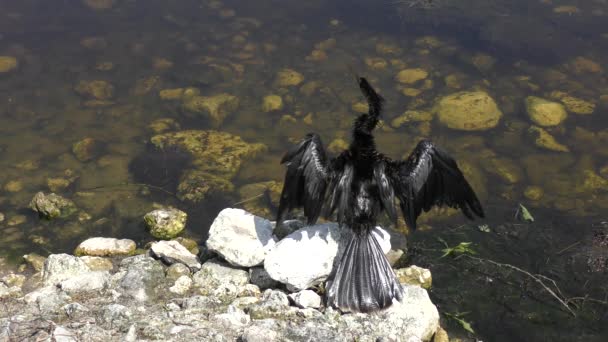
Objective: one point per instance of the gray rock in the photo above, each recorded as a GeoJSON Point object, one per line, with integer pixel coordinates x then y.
{"type": "Point", "coordinates": [306, 257]}
{"type": "Point", "coordinates": [415, 275]}
{"type": "Point", "coordinates": [166, 223]}
{"type": "Point", "coordinates": [102, 246]}
{"type": "Point", "coordinates": [142, 277]}
{"type": "Point", "coordinates": [6, 291]}
{"type": "Point", "coordinates": [48, 299]}
{"type": "Point", "coordinates": [262, 331]}
{"type": "Point", "coordinates": [59, 267]}
{"type": "Point", "coordinates": [261, 278]}
{"type": "Point", "coordinates": [86, 282]}
{"type": "Point", "coordinates": [234, 317]}
{"type": "Point", "coordinates": [172, 252]}
{"type": "Point", "coordinates": [241, 238]}
{"type": "Point", "coordinates": [274, 304]}
{"type": "Point", "coordinates": [131, 335]}
{"type": "Point", "coordinates": [306, 299]}
{"type": "Point", "coordinates": [116, 315]}
{"type": "Point", "coordinates": [75, 311]}
{"type": "Point", "coordinates": [52, 205]}
{"type": "Point", "coordinates": [213, 273]}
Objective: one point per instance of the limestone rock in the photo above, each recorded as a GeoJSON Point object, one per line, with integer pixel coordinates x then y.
{"type": "Point", "coordinates": [98, 263]}
{"type": "Point", "coordinates": [213, 273]}
{"type": "Point", "coordinates": [543, 139]}
{"type": "Point", "coordinates": [574, 104]}
{"type": "Point", "coordinates": [218, 153]}
{"type": "Point", "coordinates": [52, 206]}
{"type": "Point", "coordinates": [195, 185]}
{"type": "Point", "coordinates": [544, 112]}
{"type": "Point", "coordinates": [173, 252]}
{"type": "Point", "coordinates": [101, 246]}
{"type": "Point", "coordinates": [411, 116]}
{"type": "Point", "coordinates": [272, 103]}
{"type": "Point", "coordinates": [97, 89]}
{"type": "Point", "coordinates": [415, 275]}
{"type": "Point", "coordinates": [142, 277]}
{"type": "Point", "coordinates": [181, 285]}
{"type": "Point", "coordinates": [165, 223]}
{"type": "Point", "coordinates": [59, 267]}
{"type": "Point", "coordinates": [216, 108]}
{"type": "Point", "coordinates": [306, 299]}
{"type": "Point", "coordinates": [241, 238]}
{"type": "Point", "coordinates": [410, 76]}
{"type": "Point", "coordinates": [468, 111]}
{"type": "Point", "coordinates": [86, 282]}
{"type": "Point", "coordinates": [288, 77]}
{"type": "Point", "coordinates": [306, 257]}
{"type": "Point", "coordinates": [88, 149]}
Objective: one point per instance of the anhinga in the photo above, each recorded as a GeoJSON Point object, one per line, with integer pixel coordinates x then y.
{"type": "Point", "coordinates": [360, 184]}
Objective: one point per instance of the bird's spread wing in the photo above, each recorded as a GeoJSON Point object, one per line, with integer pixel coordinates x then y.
{"type": "Point", "coordinates": [306, 180]}
{"type": "Point", "coordinates": [431, 177]}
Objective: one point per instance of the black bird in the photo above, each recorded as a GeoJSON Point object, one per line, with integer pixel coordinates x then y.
{"type": "Point", "coordinates": [360, 184]}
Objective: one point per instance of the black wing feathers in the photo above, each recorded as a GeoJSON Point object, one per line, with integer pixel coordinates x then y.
{"type": "Point", "coordinates": [306, 179]}
{"type": "Point", "coordinates": [431, 177]}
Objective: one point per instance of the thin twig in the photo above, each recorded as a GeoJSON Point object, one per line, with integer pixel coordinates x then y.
{"type": "Point", "coordinates": [249, 199]}
{"type": "Point", "coordinates": [567, 248]}
{"type": "Point", "coordinates": [538, 278]}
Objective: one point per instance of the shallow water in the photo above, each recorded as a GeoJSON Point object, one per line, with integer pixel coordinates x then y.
{"type": "Point", "coordinates": [509, 49]}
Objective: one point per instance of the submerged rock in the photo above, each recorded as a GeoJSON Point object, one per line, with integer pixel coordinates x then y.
{"type": "Point", "coordinates": [241, 238]}
{"type": "Point", "coordinates": [87, 149]}
{"type": "Point", "coordinates": [288, 77]}
{"type": "Point", "coordinates": [544, 112]}
{"type": "Point", "coordinates": [543, 139]}
{"type": "Point", "coordinates": [52, 206]}
{"type": "Point", "coordinates": [468, 111]}
{"type": "Point", "coordinates": [165, 223]}
{"type": "Point", "coordinates": [306, 257]}
{"type": "Point", "coordinates": [196, 185]}
{"type": "Point", "coordinates": [216, 152]}
{"type": "Point", "coordinates": [410, 76]}
{"type": "Point", "coordinates": [216, 108]}
{"type": "Point", "coordinates": [100, 246]}
{"type": "Point", "coordinates": [98, 89]}
{"type": "Point", "coordinates": [272, 103]}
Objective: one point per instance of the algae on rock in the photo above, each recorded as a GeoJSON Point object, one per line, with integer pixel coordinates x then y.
{"type": "Point", "coordinates": [468, 111]}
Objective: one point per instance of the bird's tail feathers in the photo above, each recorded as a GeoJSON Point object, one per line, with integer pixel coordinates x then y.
{"type": "Point", "coordinates": [364, 280]}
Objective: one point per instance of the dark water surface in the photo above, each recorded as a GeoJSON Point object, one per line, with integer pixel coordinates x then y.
{"type": "Point", "coordinates": [524, 273]}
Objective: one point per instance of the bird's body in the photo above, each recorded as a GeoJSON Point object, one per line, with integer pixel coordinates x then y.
{"type": "Point", "coordinates": [360, 184]}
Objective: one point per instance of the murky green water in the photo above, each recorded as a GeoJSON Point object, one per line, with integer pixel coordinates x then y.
{"type": "Point", "coordinates": [120, 72]}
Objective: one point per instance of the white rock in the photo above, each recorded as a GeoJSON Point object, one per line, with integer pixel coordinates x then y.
{"type": "Point", "coordinates": [306, 299]}
{"type": "Point", "coordinates": [89, 281]}
{"type": "Point", "coordinates": [241, 238]}
{"type": "Point", "coordinates": [413, 319]}
{"type": "Point", "coordinates": [306, 257]}
{"type": "Point", "coordinates": [182, 285]}
{"type": "Point", "coordinates": [101, 246]}
{"type": "Point", "coordinates": [59, 267]}
{"type": "Point", "coordinates": [61, 334]}
{"type": "Point", "coordinates": [235, 317]}
{"type": "Point", "coordinates": [172, 252]}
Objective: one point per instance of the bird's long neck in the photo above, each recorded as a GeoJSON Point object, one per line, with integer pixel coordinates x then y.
{"type": "Point", "coordinates": [363, 141]}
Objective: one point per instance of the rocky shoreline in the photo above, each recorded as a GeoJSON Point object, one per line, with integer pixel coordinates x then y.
{"type": "Point", "coordinates": [247, 285]}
